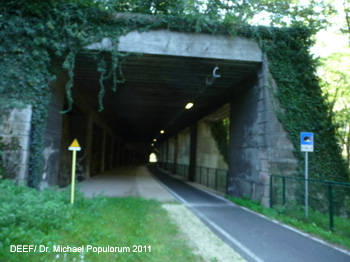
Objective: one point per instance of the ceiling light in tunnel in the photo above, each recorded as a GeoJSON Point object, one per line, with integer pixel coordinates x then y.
{"type": "Point", "coordinates": [155, 140]}
{"type": "Point", "coordinates": [152, 144]}
{"type": "Point", "coordinates": [162, 131]}
{"type": "Point", "coordinates": [189, 105]}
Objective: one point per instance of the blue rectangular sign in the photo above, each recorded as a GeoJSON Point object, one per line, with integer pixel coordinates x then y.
{"type": "Point", "coordinates": [307, 141]}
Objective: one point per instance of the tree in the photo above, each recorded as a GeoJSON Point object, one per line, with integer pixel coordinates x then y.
{"type": "Point", "coordinates": [346, 7]}
{"type": "Point", "coordinates": [335, 75]}
{"type": "Point", "coordinates": [313, 14]}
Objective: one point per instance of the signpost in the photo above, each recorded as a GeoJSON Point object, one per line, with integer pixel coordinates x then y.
{"type": "Point", "coordinates": [73, 147]}
{"type": "Point", "coordinates": [306, 145]}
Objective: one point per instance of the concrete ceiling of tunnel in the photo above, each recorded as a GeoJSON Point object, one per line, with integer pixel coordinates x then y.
{"type": "Point", "coordinates": [157, 88]}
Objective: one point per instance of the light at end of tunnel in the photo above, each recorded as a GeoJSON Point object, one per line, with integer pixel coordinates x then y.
{"type": "Point", "coordinates": [162, 131]}
{"type": "Point", "coordinates": [152, 158]}
{"type": "Point", "coordinates": [189, 105]}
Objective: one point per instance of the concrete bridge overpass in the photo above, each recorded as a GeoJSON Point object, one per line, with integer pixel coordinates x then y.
{"type": "Point", "coordinates": [173, 70]}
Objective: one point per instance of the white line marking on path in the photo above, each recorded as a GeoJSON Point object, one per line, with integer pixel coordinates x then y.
{"type": "Point", "coordinates": [230, 238]}
{"type": "Point", "coordinates": [260, 215]}
{"type": "Point", "coordinates": [219, 229]}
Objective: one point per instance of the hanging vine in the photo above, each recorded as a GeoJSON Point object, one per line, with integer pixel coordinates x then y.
{"type": "Point", "coordinates": [69, 65]}
{"type": "Point", "coordinates": [36, 34]}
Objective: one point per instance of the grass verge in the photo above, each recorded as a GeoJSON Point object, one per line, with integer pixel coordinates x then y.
{"type": "Point", "coordinates": [140, 228]}
{"type": "Point", "coordinates": [316, 224]}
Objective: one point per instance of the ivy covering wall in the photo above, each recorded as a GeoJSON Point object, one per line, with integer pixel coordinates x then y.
{"type": "Point", "coordinates": [303, 107]}
{"type": "Point", "coordinates": [37, 37]}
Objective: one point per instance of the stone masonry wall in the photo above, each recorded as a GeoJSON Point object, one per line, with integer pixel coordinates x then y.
{"type": "Point", "coordinates": [259, 146]}
{"type": "Point", "coordinates": [15, 130]}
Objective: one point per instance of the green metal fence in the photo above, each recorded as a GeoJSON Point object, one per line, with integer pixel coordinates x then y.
{"type": "Point", "coordinates": [209, 177]}
{"type": "Point", "coordinates": [212, 178]}
{"type": "Point", "coordinates": [182, 170]}
{"type": "Point", "coordinates": [326, 198]}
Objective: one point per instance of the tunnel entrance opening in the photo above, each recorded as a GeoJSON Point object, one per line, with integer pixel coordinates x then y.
{"type": "Point", "coordinates": [147, 112]}
{"type": "Point", "coordinates": [153, 98]}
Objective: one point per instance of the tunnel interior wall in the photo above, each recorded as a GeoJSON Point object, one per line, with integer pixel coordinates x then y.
{"type": "Point", "coordinates": [208, 153]}
{"type": "Point", "coordinates": [183, 155]}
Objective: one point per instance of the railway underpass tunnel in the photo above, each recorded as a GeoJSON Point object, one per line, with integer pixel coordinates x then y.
{"type": "Point", "coordinates": [225, 78]}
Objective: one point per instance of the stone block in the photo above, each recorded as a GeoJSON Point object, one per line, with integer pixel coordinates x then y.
{"type": "Point", "coordinates": [263, 153]}
{"type": "Point", "coordinates": [21, 115]}
{"type": "Point", "coordinates": [283, 166]}
{"type": "Point", "coordinates": [261, 105]}
{"type": "Point", "coordinates": [281, 152]}
{"type": "Point", "coordinates": [261, 117]}
{"type": "Point", "coordinates": [264, 166]}
{"type": "Point", "coordinates": [265, 201]}
{"type": "Point", "coordinates": [276, 127]}
{"type": "Point", "coordinates": [15, 128]}
{"type": "Point", "coordinates": [23, 173]}
{"type": "Point", "coordinates": [280, 140]}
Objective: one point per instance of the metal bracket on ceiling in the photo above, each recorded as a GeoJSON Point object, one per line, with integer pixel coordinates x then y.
{"type": "Point", "coordinates": [212, 78]}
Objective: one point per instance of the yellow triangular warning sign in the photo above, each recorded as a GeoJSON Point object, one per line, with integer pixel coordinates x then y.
{"type": "Point", "coordinates": [74, 146]}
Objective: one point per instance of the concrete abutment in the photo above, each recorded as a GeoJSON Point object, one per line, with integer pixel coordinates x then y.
{"type": "Point", "coordinates": [258, 144]}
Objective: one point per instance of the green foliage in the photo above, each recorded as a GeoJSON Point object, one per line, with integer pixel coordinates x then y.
{"type": "Point", "coordinates": [9, 164]}
{"type": "Point", "coordinates": [300, 96]}
{"type": "Point", "coordinates": [35, 36]}
{"type": "Point", "coordinates": [30, 217]}
{"type": "Point", "coordinates": [39, 37]}
{"type": "Point", "coordinates": [2, 168]}
{"type": "Point", "coordinates": [335, 82]}
{"type": "Point", "coordinates": [220, 132]}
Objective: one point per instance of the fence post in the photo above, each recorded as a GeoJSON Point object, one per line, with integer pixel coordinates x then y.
{"type": "Point", "coordinates": [330, 200]}
{"type": "Point", "coordinates": [284, 190]}
{"type": "Point", "coordinates": [271, 192]}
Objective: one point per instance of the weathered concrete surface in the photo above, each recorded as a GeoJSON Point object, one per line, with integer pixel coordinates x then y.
{"type": "Point", "coordinates": [259, 145]}
{"type": "Point", "coordinates": [183, 154]}
{"type": "Point", "coordinates": [52, 134]}
{"type": "Point", "coordinates": [208, 154]}
{"type": "Point", "coordinates": [16, 130]}
{"type": "Point", "coordinates": [165, 42]}
{"type": "Point", "coordinates": [171, 149]}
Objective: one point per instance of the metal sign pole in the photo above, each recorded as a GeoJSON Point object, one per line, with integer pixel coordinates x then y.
{"type": "Point", "coordinates": [306, 185]}
{"type": "Point", "coordinates": [306, 145]}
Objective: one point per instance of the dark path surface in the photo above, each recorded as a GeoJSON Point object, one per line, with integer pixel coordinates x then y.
{"type": "Point", "coordinates": [254, 237]}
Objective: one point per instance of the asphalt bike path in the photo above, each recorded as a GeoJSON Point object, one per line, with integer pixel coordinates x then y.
{"type": "Point", "coordinates": [254, 237]}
